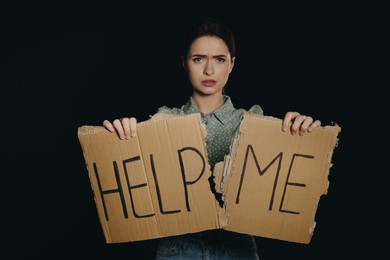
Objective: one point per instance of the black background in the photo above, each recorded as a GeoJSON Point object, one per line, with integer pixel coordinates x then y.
{"type": "Point", "coordinates": [64, 66]}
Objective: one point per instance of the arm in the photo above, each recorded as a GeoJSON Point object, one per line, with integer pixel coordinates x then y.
{"type": "Point", "coordinates": [298, 123]}
{"type": "Point", "coordinates": [126, 127]}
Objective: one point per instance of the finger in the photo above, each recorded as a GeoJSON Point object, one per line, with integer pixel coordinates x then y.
{"type": "Point", "coordinates": [107, 124]}
{"type": "Point", "coordinates": [287, 121]}
{"type": "Point", "coordinates": [126, 126]}
{"type": "Point", "coordinates": [296, 125]}
{"type": "Point", "coordinates": [305, 125]}
{"type": "Point", "coordinates": [119, 128]}
{"type": "Point", "coordinates": [133, 126]}
{"type": "Point", "coordinates": [314, 125]}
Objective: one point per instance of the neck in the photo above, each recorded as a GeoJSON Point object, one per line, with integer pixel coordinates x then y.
{"type": "Point", "coordinates": [206, 104]}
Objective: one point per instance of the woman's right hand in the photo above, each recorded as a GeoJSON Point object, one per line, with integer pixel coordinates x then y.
{"type": "Point", "coordinates": [126, 127]}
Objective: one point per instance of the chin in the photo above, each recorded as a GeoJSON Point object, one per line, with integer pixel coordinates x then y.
{"type": "Point", "coordinates": [209, 91]}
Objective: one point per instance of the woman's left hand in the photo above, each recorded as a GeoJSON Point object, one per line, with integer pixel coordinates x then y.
{"type": "Point", "coordinates": [297, 123]}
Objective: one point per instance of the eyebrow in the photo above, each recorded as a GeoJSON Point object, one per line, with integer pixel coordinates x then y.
{"type": "Point", "coordinates": [204, 56]}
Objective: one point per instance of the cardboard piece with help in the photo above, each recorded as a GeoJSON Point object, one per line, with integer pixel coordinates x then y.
{"type": "Point", "coordinates": [153, 185]}
{"type": "Point", "coordinates": [157, 184]}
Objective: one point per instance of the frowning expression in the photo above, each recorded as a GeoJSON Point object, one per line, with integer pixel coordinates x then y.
{"type": "Point", "coordinates": [208, 64]}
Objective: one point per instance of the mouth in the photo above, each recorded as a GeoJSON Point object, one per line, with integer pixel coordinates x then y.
{"type": "Point", "coordinates": [209, 83]}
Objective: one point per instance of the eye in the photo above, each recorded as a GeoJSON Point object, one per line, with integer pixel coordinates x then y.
{"type": "Point", "coordinates": [197, 59]}
{"type": "Point", "coordinates": [221, 60]}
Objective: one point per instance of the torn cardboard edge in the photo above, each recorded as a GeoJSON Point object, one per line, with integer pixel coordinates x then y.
{"type": "Point", "coordinates": [157, 184]}
{"type": "Point", "coordinates": [284, 218]}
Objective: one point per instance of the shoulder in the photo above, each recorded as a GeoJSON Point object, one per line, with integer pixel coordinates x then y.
{"type": "Point", "coordinates": [256, 109]}
{"type": "Point", "coordinates": [168, 110]}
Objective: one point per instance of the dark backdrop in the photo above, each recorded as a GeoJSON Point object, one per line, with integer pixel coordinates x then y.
{"type": "Point", "coordinates": [64, 66]}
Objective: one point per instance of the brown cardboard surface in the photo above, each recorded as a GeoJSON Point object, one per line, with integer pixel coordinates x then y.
{"type": "Point", "coordinates": [157, 185]}
{"type": "Point", "coordinates": [153, 185]}
{"type": "Point", "coordinates": [274, 180]}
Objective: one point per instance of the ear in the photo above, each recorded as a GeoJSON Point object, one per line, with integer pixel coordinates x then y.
{"type": "Point", "coordinates": [183, 63]}
{"type": "Point", "coordinates": [232, 65]}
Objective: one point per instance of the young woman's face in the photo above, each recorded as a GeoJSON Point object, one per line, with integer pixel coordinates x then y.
{"type": "Point", "coordinates": [208, 64]}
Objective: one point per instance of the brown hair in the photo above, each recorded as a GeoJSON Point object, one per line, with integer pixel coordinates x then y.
{"type": "Point", "coordinates": [209, 27]}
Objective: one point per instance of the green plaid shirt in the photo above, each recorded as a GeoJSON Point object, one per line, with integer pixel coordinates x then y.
{"type": "Point", "coordinates": [221, 125]}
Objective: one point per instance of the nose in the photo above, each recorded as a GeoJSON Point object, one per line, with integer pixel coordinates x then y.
{"type": "Point", "coordinates": [208, 69]}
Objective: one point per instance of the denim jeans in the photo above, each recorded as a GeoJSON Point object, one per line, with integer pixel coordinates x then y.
{"type": "Point", "coordinates": [214, 244]}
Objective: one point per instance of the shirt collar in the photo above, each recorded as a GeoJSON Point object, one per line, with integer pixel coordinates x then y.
{"type": "Point", "coordinates": [222, 113]}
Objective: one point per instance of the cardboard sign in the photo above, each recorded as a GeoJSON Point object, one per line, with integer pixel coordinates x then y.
{"type": "Point", "coordinates": [273, 180]}
{"type": "Point", "coordinates": [157, 184]}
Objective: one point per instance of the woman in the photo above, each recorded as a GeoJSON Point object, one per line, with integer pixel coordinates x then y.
{"type": "Point", "coordinates": [208, 58]}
